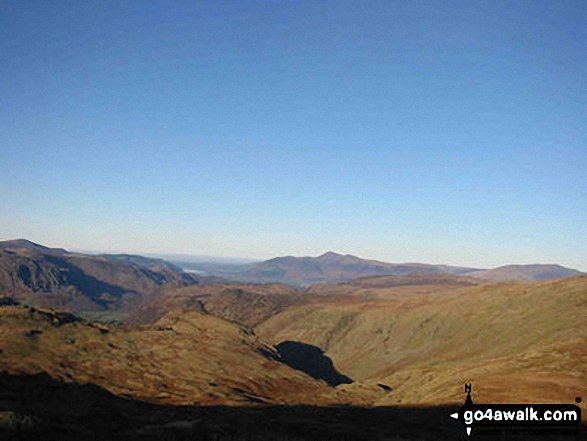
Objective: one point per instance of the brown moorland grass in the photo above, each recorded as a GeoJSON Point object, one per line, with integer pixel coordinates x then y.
{"type": "Point", "coordinates": [185, 358]}
{"type": "Point", "coordinates": [516, 342]}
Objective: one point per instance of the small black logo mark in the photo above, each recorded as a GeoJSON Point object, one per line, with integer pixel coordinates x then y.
{"type": "Point", "coordinates": [578, 400]}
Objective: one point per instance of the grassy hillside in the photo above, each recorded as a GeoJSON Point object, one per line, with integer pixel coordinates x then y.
{"type": "Point", "coordinates": [514, 341]}
{"type": "Point", "coordinates": [248, 304]}
{"type": "Point", "coordinates": [388, 287]}
{"type": "Point", "coordinates": [185, 358]}
{"type": "Point", "coordinates": [525, 273]}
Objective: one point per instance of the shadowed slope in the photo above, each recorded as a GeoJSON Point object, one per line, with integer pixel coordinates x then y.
{"type": "Point", "coordinates": [515, 341]}
{"type": "Point", "coordinates": [28, 245]}
{"type": "Point", "coordinates": [312, 361]}
{"type": "Point", "coordinates": [39, 408]}
{"type": "Point", "coordinates": [38, 275]}
{"type": "Point", "coordinates": [184, 358]}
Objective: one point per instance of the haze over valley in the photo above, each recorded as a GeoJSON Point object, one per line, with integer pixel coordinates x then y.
{"type": "Point", "coordinates": [292, 220]}
{"type": "Point", "coordinates": [387, 335]}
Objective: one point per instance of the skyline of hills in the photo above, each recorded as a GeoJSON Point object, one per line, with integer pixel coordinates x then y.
{"type": "Point", "coordinates": [103, 285]}
{"type": "Point", "coordinates": [382, 341]}
{"type": "Point", "coordinates": [290, 221]}
{"type": "Point", "coordinates": [332, 267]}
{"type": "Point", "coordinates": [104, 279]}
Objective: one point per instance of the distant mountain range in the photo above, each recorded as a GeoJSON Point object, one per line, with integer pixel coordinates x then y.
{"type": "Point", "coordinates": [399, 335]}
{"type": "Point", "coordinates": [336, 268]}
{"type": "Point", "coordinates": [525, 273]}
{"type": "Point", "coordinates": [112, 285]}
{"type": "Point", "coordinates": [44, 276]}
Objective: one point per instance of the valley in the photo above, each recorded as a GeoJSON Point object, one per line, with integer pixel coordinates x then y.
{"type": "Point", "coordinates": [515, 341]}
{"type": "Point", "coordinates": [203, 354]}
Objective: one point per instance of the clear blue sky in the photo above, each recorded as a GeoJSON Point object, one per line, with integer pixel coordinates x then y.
{"type": "Point", "coordinates": [441, 132]}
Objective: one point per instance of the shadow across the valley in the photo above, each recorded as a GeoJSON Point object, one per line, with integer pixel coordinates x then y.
{"type": "Point", "coordinates": [312, 361]}
{"type": "Point", "coordinates": [90, 286]}
{"type": "Point", "coordinates": [37, 407]}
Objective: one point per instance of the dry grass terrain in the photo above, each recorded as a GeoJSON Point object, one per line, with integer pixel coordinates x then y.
{"type": "Point", "coordinates": [208, 361]}
{"type": "Point", "coordinates": [184, 358]}
{"type": "Point", "coordinates": [248, 304]}
{"type": "Point", "coordinates": [525, 273]}
{"type": "Point", "coordinates": [516, 342]}
{"type": "Point", "coordinates": [395, 287]}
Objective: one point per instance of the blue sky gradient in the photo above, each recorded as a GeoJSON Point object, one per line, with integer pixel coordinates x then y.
{"type": "Point", "coordinates": [442, 132]}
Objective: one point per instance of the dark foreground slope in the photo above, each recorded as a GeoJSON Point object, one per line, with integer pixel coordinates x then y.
{"type": "Point", "coordinates": [189, 376]}
{"type": "Point", "coordinates": [39, 408]}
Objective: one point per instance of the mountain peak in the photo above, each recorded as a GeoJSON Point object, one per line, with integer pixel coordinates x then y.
{"type": "Point", "coordinates": [330, 255]}
{"type": "Point", "coordinates": [23, 243]}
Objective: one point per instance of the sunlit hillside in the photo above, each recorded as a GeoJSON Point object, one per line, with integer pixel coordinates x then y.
{"type": "Point", "coordinates": [514, 341]}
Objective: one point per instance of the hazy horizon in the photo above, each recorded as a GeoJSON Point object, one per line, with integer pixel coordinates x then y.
{"type": "Point", "coordinates": [204, 258]}
{"type": "Point", "coordinates": [447, 133]}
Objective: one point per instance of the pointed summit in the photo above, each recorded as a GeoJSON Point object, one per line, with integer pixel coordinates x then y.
{"type": "Point", "coordinates": [329, 255]}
